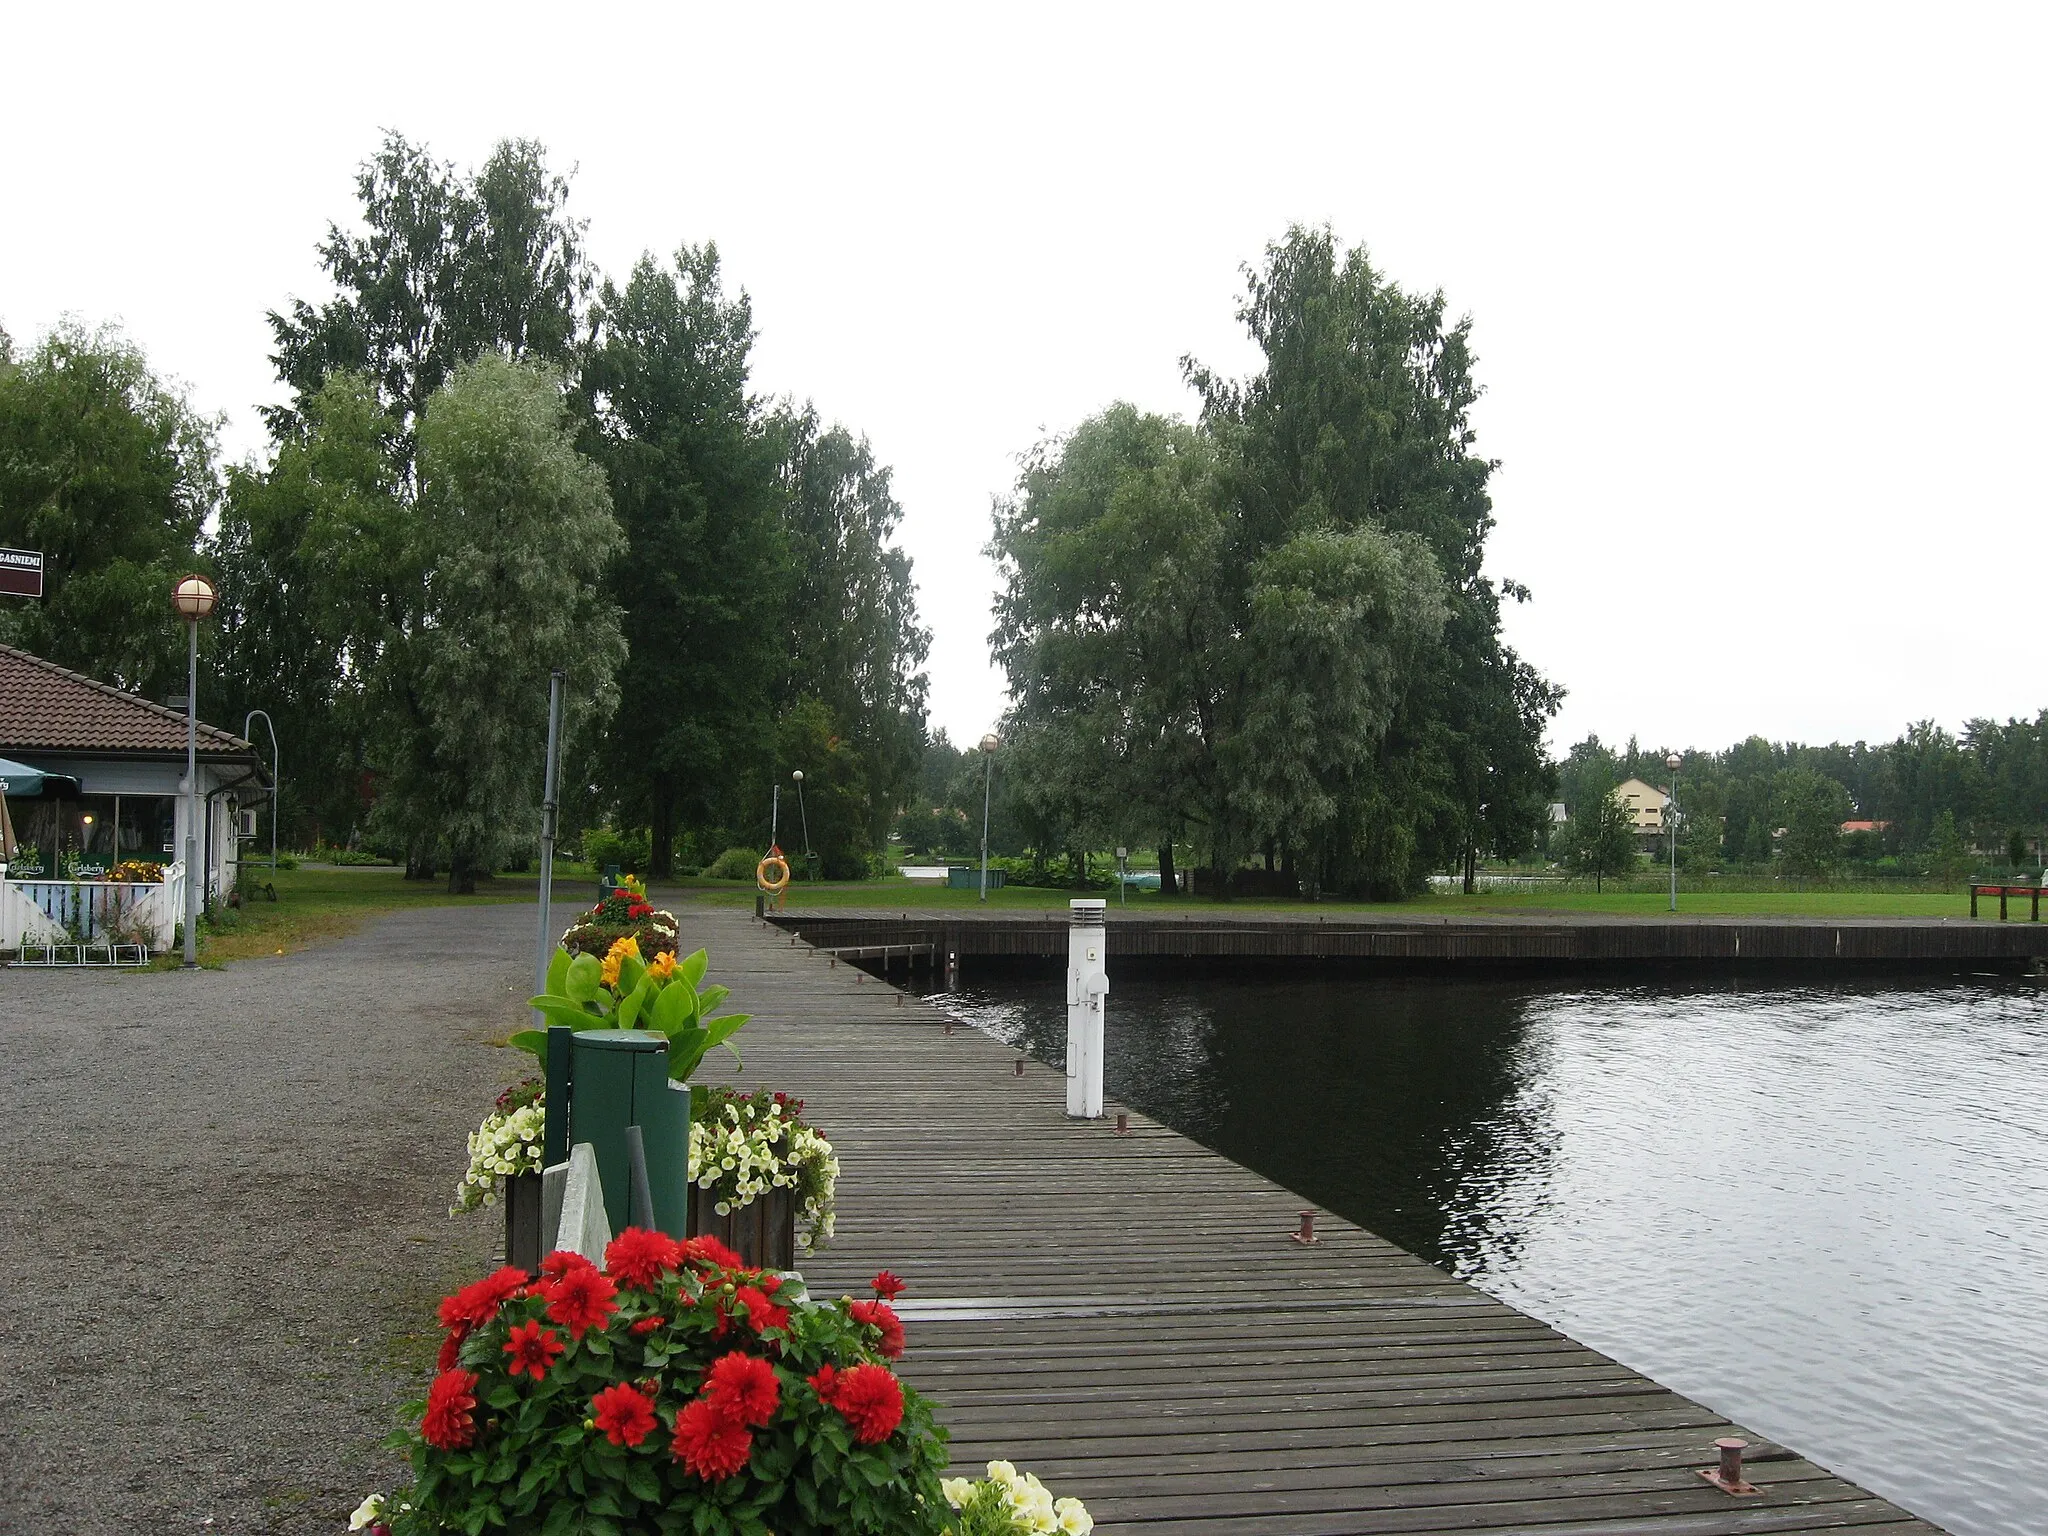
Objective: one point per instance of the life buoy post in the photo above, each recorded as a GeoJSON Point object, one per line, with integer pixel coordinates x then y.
{"type": "Point", "coordinates": [772, 875]}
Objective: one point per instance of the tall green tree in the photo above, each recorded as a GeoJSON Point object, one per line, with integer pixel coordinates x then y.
{"type": "Point", "coordinates": [107, 469]}
{"type": "Point", "coordinates": [852, 635]}
{"type": "Point", "coordinates": [511, 538]}
{"type": "Point", "coordinates": [705, 571]}
{"type": "Point", "coordinates": [445, 266]}
{"type": "Point", "coordinates": [1111, 628]}
{"type": "Point", "coordinates": [1811, 806]}
{"type": "Point", "coordinates": [1948, 854]}
{"type": "Point", "coordinates": [318, 570]}
{"type": "Point", "coordinates": [1360, 421]}
{"type": "Point", "coordinates": [1601, 840]}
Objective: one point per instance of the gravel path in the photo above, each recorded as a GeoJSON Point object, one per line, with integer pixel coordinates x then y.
{"type": "Point", "coordinates": [223, 1220]}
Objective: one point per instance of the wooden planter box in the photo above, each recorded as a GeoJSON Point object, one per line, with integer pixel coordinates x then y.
{"type": "Point", "coordinates": [762, 1234]}
{"type": "Point", "coordinates": [522, 1221]}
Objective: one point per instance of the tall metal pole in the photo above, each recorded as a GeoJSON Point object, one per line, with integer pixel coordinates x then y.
{"type": "Point", "coordinates": [798, 777]}
{"type": "Point", "coordinates": [276, 773]}
{"type": "Point", "coordinates": [1673, 809]}
{"type": "Point", "coordinates": [774, 812]}
{"type": "Point", "coordinates": [988, 773]}
{"type": "Point", "coordinates": [544, 944]}
{"type": "Point", "coordinates": [192, 872]}
{"type": "Point", "coordinates": [1673, 762]}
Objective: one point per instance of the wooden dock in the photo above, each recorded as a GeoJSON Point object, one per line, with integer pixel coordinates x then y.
{"type": "Point", "coordinates": [1431, 943]}
{"type": "Point", "coordinates": [1130, 1318]}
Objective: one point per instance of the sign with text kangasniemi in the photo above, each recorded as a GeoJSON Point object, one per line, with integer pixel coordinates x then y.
{"type": "Point", "coordinates": [21, 572]}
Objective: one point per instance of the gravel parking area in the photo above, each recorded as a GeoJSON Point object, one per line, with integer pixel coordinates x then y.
{"type": "Point", "coordinates": [223, 1220]}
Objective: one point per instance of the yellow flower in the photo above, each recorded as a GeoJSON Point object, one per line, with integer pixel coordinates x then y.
{"type": "Point", "coordinates": [613, 960]}
{"type": "Point", "coordinates": [663, 965]}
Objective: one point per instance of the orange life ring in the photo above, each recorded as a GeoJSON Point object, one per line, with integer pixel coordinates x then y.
{"type": "Point", "coordinates": [773, 885]}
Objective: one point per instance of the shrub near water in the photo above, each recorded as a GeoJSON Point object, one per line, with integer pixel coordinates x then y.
{"type": "Point", "coordinates": [733, 864]}
{"type": "Point", "coordinates": [672, 1391]}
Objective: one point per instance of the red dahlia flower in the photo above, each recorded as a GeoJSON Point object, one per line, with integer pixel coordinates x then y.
{"type": "Point", "coordinates": [451, 1350]}
{"type": "Point", "coordinates": [743, 1387]}
{"type": "Point", "coordinates": [640, 1258]}
{"type": "Point", "coordinates": [870, 1398]}
{"type": "Point", "coordinates": [709, 1250]}
{"type": "Point", "coordinates": [762, 1314]}
{"type": "Point", "coordinates": [582, 1299]}
{"type": "Point", "coordinates": [708, 1443]}
{"type": "Point", "coordinates": [475, 1305]}
{"type": "Point", "coordinates": [449, 1423]}
{"type": "Point", "coordinates": [561, 1261]}
{"type": "Point", "coordinates": [533, 1349]}
{"type": "Point", "coordinates": [647, 1325]}
{"type": "Point", "coordinates": [625, 1414]}
{"type": "Point", "coordinates": [887, 1286]}
{"type": "Point", "coordinates": [879, 1314]}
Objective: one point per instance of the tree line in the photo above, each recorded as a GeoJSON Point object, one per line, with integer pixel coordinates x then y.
{"type": "Point", "coordinates": [493, 460]}
{"type": "Point", "coordinates": [1938, 801]}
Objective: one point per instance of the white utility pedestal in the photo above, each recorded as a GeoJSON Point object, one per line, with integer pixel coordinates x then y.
{"type": "Point", "coordinates": [1087, 988]}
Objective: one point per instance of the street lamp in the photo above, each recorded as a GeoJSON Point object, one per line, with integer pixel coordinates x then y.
{"type": "Point", "coordinates": [193, 598]}
{"type": "Point", "coordinates": [988, 770]}
{"type": "Point", "coordinates": [1671, 815]}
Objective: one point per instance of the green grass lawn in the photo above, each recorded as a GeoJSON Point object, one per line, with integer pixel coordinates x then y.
{"type": "Point", "coordinates": [908, 896]}
{"type": "Point", "coordinates": [316, 905]}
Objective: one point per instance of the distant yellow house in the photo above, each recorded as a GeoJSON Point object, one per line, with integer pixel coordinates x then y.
{"type": "Point", "coordinates": [1645, 803]}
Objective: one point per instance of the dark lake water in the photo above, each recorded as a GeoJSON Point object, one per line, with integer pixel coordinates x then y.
{"type": "Point", "coordinates": [1820, 1210]}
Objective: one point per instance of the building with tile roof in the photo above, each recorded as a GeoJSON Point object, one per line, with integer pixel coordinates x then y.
{"type": "Point", "coordinates": [117, 768]}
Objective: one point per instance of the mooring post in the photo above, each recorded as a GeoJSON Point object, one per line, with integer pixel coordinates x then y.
{"type": "Point", "coordinates": [1727, 1475]}
{"type": "Point", "coordinates": [1087, 987]}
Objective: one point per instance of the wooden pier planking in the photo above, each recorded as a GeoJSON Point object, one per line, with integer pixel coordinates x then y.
{"type": "Point", "coordinates": [1127, 1316]}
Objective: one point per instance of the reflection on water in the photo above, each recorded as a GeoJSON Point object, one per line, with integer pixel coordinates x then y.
{"type": "Point", "coordinates": [1821, 1210]}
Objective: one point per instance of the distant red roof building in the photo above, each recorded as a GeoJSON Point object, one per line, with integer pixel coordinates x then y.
{"type": "Point", "coordinates": [1865, 826]}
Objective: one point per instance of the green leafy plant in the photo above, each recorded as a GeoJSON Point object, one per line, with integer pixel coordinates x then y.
{"type": "Point", "coordinates": [622, 991]}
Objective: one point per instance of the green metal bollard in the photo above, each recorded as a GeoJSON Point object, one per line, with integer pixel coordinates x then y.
{"type": "Point", "coordinates": [619, 1077]}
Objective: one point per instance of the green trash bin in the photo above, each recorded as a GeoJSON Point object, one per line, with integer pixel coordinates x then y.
{"type": "Point", "coordinates": [619, 1077]}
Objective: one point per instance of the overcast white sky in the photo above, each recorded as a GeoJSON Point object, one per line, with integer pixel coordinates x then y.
{"type": "Point", "coordinates": [1758, 291]}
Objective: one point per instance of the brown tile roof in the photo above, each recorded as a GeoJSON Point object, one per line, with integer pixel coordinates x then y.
{"type": "Point", "coordinates": [44, 707]}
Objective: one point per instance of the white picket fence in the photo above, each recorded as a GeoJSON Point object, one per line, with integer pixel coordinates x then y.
{"type": "Point", "coordinates": [50, 919]}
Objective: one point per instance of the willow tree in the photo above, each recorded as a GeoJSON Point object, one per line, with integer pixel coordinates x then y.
{"type": "Point", "coordinates": [1174, 674]}
{"type": "Point", "coordinates": [509, 545]}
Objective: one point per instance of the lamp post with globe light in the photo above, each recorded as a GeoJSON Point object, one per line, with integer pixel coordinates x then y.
{"type": "Point", "coordinates": [1672, 762]}
{"type": "Point", "coordinates": [988, 769]}
{"type": "Point", "coordinates": [193, 597]}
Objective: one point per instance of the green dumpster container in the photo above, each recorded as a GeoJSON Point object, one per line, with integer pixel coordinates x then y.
{"type": "Point", "coordinates": [619, 1077]}
{"type": "Point", "coordinates": [967, 877]}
